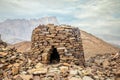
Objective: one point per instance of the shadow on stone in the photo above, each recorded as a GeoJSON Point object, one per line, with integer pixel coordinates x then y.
{"type": "Point", "coordinates": [54, 57]}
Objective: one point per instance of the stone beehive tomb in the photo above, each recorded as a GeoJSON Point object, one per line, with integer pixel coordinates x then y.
{"type": "Point", "coordinates": [57, 44]}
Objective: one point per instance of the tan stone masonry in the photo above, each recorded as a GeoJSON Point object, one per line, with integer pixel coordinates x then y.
{"type": "Point", "coordinates": [58, 44]}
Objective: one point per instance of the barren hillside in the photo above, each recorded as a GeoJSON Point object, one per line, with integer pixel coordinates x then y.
{"type": "Point", "coordinates": [24, 46]}
{"type": "Point", "coordinates": [93, 45]}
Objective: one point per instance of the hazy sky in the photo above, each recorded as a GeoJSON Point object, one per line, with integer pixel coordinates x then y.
{"type": "Point", "coordinates": [99, 17]}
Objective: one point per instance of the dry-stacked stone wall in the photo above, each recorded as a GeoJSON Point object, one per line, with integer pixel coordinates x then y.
{"type": "Point", "coordinates": [58, 44]}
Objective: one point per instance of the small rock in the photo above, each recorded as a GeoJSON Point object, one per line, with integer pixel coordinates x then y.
{"type": "Point", "coordinates": [106, 63]}
{"type": "Point", "coordinates": [96, 77]}
{"type": "Point", "coordinates": [16, 64]}
{"type": "Point", "coordinates": [26, 77]}
{"type": "Point", "coordinates": [117, 75]}
{"type": "Point", "coordinates": [23, 72]}
{"type": "Point", "coordinates": [50, 74]}
{"type": "Point", "coordinates": [75, 78]}
{"type": "Point", "coordinates": [87, 78]}
{"type": "Point", "coordinates": [1, 65]}
{"type": "Point", "coordinates": [87, 71]}
{"type": "Point", "coordinates": [18, 78]}
{"type": "Point", "coordinates": [39, 65]}
{"type": "Point", "coordinates": [108, 79]}
{"type": "Point", "coordinates": [66, 64]}
{"type": "Point", "coordinates": [54, 70]}
{"type": "Point", "coordinates": [15, 70]}
{"type": "Point", "coordinates": [40, 71]}
{"type": "Point", "coordinates": [63, 68]}
{"type": "Point", "coordinates": [36, 76]}
{"type": "Point", "coordinates": [3, 54]}
{"type": "Point", "coordinates": [73, 72]}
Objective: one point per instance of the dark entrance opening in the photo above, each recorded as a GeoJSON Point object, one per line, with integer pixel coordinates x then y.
{"type": "Point", "coordinates": [54, 57]}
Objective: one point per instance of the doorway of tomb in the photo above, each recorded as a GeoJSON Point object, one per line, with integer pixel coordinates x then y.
{"type": "Point", "coordinates": [54, 57]}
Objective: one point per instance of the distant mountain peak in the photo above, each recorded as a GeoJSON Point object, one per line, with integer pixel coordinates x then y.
{"type": "Point", "coordinates": [21, 29]}
{"type": "Point", "coordinates": [43, 20]}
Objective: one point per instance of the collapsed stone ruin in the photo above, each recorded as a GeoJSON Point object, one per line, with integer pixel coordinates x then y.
{"type": "Point", "coordinates": [58, 44]}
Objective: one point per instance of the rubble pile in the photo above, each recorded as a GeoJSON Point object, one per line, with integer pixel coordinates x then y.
{"type": "Point", "coordinates": [10, 62]}
{"type": "Point", "coordinates": [107, 65]}
{"type": "Point", "coordinates": [58, 44]}
{"type": "Point", "coordinates": [19, 66]}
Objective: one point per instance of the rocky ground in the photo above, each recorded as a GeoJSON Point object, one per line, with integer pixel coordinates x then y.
{"type": "Point", "coordinates": [20, 66]}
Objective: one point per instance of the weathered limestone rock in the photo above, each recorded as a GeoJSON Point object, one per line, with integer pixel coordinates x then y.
{"type": "Point", "coordinates": [40, 71]}
{"type": "Point", "coordinates": [87, 78]}
{"type": "Point", "coordinates": [106, 63]}
{"type": "Point", "coordinates": [36, 77]}
{"type": "Point", "coordinates": [18, 78]}
{"type": "Point", "coordinates": [63, 69]}
{"type": "Point", "coordinates": [15, 70]}
{"type": "Point", "coordinates": [2, 54]}
{"type": "Point", "coordinates": [75, 78]}
{"type": "Point", "coordinates": [117, 75]}
{"type": "Point", "coordinates": [73, 72]}
{"type": "Point", "coordinates": [26, 77]}
{"type": "Point", "coordinates": [39, 65]}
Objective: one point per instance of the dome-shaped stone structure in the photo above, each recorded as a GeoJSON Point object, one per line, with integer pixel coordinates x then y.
{"type": "Point", "coordinates": [58, 44]}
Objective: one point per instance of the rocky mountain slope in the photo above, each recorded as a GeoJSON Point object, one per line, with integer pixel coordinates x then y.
{"type": "Point", "coordinates": [93, 45]}
{"type": "Point", "coordinates": [18, 30]}
{"type": "Point", "coordinates": [24, 46]}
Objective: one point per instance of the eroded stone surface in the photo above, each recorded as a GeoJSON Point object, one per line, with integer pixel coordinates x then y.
{"type": "Point", "coordinates": [66, 41]}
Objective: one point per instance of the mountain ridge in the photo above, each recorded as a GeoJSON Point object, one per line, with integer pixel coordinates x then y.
{"type": "Point", "coordinates": [21, 29]}
{"type": "Point", "coordinates": [93, 45]}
